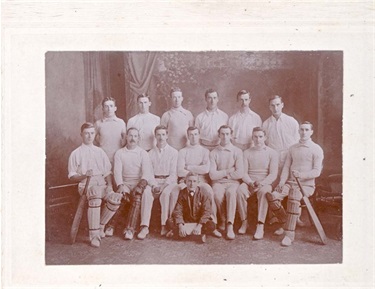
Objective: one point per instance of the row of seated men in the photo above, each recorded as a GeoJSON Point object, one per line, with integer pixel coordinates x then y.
{"type": "Point", "coordinates": [201, 176]}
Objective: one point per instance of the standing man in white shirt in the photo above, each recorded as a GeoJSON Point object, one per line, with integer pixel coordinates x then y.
{"type": "Point", "coordinates": [244, 121]}
{"type": "Point", "coordinates": [110, 130]}
{"type": "Point", "coordinates": [281, 129]}
{"type": "Point", "coordinates": [145, 122]}
{"type": "Point", "coordinates": [164, 162]}
{"type": "Point", "coordinates": [226, 171]}
{"type": "Point", "coordinates": [210, 120]}
{"type": "Point", "coordinates": [177, 120]}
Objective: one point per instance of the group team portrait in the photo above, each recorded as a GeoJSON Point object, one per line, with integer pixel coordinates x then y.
{"type": "Point", "coordinates": [207, 157]}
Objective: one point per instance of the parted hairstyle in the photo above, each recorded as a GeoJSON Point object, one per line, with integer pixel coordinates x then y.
{"type": "Point", "coordinates": [174, 89]}
{"type": "Point", "coordinates": [87, 125]}
{"type": "Point", "coordinates": [190, 128]}
{"type": "Point", "coordinates": [143, 95]}
{"type": "Point", "coordinates": [275, 97]}
{"type": "Point", "coordinates": [159, 127]}
{"type": "Point", "coordinates": [208, 91]}
{"type": "Point", "coordinates": [307, 122]}
{"type": "Point", "coordinates": [257, 128]}
{"type": "Point", "coordinates": [223, 127]}
{"type": "Point", "coordinates": [131, 128]}
{"type": "Point", "coordinates": [242, 92]}
{"type": "Point", "coordinates": [108, 99]}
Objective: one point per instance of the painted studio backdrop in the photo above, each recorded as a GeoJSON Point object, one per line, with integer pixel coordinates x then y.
{"type": "Point", "coordinates": [310, 82]}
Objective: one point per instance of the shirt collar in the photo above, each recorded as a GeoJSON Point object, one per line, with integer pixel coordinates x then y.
{"type": "Point", "coordinates": [263, 148]}
{"type": "Point", "coordinates": [216, 111]}
{"type": "Point", "coordinates": [229, 147]}
{"type": "Point", "coordinates": [114, 118]}
{"type": "Point", "coordinates": [282, 116]}
{"type": "Point", "coordinates": [307, 143]}
{"type": "Point", "coordinates": [162, 149]}
{"type": "Point", "coordinates": [137, 148]}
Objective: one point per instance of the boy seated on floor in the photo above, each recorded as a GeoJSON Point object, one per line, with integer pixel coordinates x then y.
{"type": "Point", "coordinates": [191, 215]}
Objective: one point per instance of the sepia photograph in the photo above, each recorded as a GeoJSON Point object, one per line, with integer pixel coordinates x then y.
{"type": "Point", "coordinates": [172, 109]}
{"type": "Point", "coordinates": [189, 144]}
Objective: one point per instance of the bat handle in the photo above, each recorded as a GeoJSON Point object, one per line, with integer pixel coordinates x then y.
{"type": "Point", "coordinates": [300, 186]}
{"type": "Point", "coordinates": [86, 185]}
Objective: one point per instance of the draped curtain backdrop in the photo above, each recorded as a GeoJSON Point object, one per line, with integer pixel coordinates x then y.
{"type": "Point", "coordinates": [139, 68]}
{"type": "Point", "coordinates": [97, 83]}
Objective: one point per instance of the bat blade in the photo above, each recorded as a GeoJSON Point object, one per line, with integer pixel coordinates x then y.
{"type": "Point", "coordinates": [77, 218]}
{"type": "Point", "coordinates": [315, 220]}
{"type": "Point", "coordinates": [79, 213]}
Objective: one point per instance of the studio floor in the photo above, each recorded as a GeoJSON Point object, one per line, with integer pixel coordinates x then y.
{"type": "Point", "coordinates": [307, 248]}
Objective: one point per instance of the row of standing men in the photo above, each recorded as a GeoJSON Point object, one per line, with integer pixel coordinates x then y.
{"type": "Point", "coordinates": [242, 150]}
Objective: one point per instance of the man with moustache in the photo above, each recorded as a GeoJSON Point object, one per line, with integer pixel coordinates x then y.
{"type": "Point", "coordinates": [164, 162]}
{"type": "Point", "coordinates": [132, 168]}
{"type": "Point", "coordinates": [210, 120]}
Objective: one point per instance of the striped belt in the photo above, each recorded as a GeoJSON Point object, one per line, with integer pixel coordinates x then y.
{"type": "Point", "coordinates": [161, 177]}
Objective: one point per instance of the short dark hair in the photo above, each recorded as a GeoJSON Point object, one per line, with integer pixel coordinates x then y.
{"type": "Point", "coordinates": [275, 97]}
{"type": "Point", "coordinates": [131, 128]}
{"type": "Point", "coordinates": [210, 90]}
{"type": "Point", "coordinates": [307, 122]}
{"type": "Point", "coordinates": [225, 126]}
{"type": "Point", "coordinates": [143, 95]}
{"type": "Point", "coordinates": [87, 125]}
{"type": "Point", "coordinates": [174, 89]}
{"type": "Point", "coordinates": [159, 127]}
{"type": "Point", "coordinates": [257, 128]}
{"type": "Point", "coordinates": [190, 128]}
{"type": "Point", "coordinates": [242, 92]}
{"type": "Point", "coordinates": [108, 99]}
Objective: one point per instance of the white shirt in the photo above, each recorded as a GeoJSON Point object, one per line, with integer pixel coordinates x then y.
{"type": "Point", "coordinates": [177, 120]}
{"type": "Point", "coordinates": [145, 123]}
{"type": "Point", "coordinates": [132, 165]}
{"type": "Point", "coordinates": [193, 159]}
{"type": "Point", "coordinates": [281, 133]}
{"type": "Point", "coordinates": [243, 124]}
{"type": "Point", "coordinates": [164, 163]}
{"type": "Point", "coordinates": [110, 134]}
{"type": "Point", "coordinates": [209, 123]}
{"type": "Point", "coordinates": [89, 157]}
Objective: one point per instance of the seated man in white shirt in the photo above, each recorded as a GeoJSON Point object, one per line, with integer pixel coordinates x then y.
{"type": "Point", "coordinates": [177, 120]}
{"type": "Point", "coordinates": [164, 162]}
{"type": "Point", "coordinates": [91, 161]}
{"type": "Point", "coordinates": [260, 171]}
{"type": "Point", "coordinates": [145, 122]}
{"type": "Point", "coordinates": [132, 166]}
{"type": "Point", "coordinates": [210, 120]}
{"type": "Point", "coordinates": [244, 121]}
{"type": "Point", "coordinates": [304, 161]}
{"type": "Point", "coordinates": [226, 171]}
{"type": "Point", "coordinates": [194, 158]}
